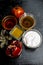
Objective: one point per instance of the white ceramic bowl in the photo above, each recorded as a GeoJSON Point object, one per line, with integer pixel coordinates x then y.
{"type": "Point", "coordinates": [33, 38]}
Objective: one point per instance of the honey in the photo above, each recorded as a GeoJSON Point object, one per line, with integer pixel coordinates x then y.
{"type": "Point", "coordinates": [27, 22]}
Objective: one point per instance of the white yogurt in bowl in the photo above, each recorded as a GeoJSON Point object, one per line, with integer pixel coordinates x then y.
{"type": "Point", "coordinates": [32, 38]}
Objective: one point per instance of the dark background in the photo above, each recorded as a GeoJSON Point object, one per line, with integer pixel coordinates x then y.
{"type": "Point", "coordinates": [28, 56]}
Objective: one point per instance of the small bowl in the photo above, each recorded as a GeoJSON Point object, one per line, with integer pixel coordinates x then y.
{"type": "Point", "coordinates": [9, 22]}
{"type": "Point", "coordinates": [16, 32]}
{"type": "Point", "coordinates": [27, 21]}
{"type": "Point", "coordinates": [14, 49]}
{"type": "Point", "coordinates": [33, 40]}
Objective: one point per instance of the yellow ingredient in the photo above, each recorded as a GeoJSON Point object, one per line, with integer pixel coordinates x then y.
{"type": "Point", "coordinates": [16, 32]}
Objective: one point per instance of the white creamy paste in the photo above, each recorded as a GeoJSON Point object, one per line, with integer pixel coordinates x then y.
{"type": "Point", "coordinates": [32, 39]}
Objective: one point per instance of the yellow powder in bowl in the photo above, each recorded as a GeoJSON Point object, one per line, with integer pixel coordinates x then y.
{"type": "Point", "coordinates": [16, 32]}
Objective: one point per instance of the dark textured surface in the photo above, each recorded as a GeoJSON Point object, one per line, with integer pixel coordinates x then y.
{"type": "Point", "coordinates": [28, 56]}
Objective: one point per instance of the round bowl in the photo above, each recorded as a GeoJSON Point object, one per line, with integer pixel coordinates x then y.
{"type": "Point", "coordinates": [27, 21]}
{"type": "Point", "coordinates": [9, 22]}
{"type": "Point", "coordinates": [32, 38]}
{"type": "Point", "coordinates": [14, 49]}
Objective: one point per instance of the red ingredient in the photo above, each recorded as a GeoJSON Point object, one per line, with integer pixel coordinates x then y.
{"type": "Point", "coordinates": [14, 49]}
{"type": "Point", "coordinates": [17, 11]}
{"type": "Point", "coordinates": [16, 52]}
{"type": "Point", "coordinates": [9, 22]}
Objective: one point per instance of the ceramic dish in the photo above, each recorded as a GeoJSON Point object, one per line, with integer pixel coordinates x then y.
{"type": "Point", "coordinates": [27, 21]}
{"type": "Point", "coordinates": [32, 38]}
{"type": "Point", "coordinates": [9, 22]}
{"type": "Point", "coordinates": [16, 32]}
{"type": "Point", "coordinates": [14, 49]}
